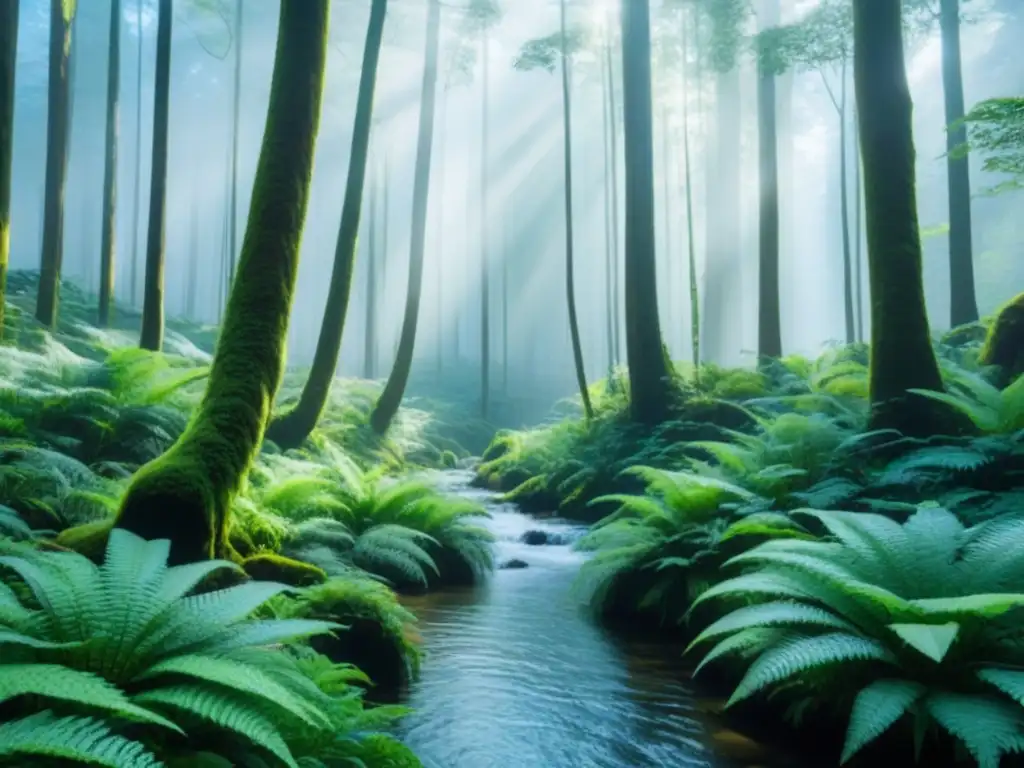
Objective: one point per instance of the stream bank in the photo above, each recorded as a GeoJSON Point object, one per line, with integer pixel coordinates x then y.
{"type": "Point", "coordinates": [516, 675]}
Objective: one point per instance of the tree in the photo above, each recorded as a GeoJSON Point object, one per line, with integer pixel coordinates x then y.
{"type": "Point", "coordinates": [822, 41]}
{"type": "Point", "coordinates": [292, 427]}
{"type": "Point", "coordinates": [391, 398]}
{"type": "Point", "coordinates": [8, 61]}
{"type": "Point", "coordinates": [963, 304]}
{"type": "Point", "coordinates": [370, 326]}
{"type": "Point", "coordinates": [543, 53]}
{"type": "Point", "coordinates": [649, 371]}
{"type": "Point", "coordinates": [133, 293]}
{"type": "Point", "coordinates": [109, 232]}
{"type": "Point", "coordinates": [62, 13]}
{"type": "Point", "coordinates": [769, 66]}
{"type": "Point", "coordinates": [481, 16]}
{"type": "Point", "coordinates": [152, 336]}
{"type": "Point", "coordinates": [186, 494]}
{"type": "Point", "coordinates": [902, 358]}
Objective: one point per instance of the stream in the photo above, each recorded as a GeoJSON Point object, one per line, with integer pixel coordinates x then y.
{"type": "Point", "coordinates": [516, 675]}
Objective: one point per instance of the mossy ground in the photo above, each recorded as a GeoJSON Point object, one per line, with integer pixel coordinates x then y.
{"type": "Point", "coordinates": [746, 454]}
{"type": "Point", "coordinates": [82, 409]}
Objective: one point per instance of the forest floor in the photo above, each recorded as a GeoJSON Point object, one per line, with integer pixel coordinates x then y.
{"type": "Point", "coordinates": [856, 576]}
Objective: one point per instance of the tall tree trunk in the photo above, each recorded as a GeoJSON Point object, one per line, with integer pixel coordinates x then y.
{"type": "Point", "coordinates": [133, 277]}
{"type": "Point", "coordinates": [614, 129]}
{"type": "Point", "coordinates": [291, 428]}
{"type": "Point", "coordinates": [439, 267]}
{"type": "Point", "coordinates": [901, 352]}
{"type": "Point", "coordinates": [152, 336]}
{"type": "Point", "coordinates": [8, 61]}
{"type": "Point", "coordinates": [385, 254]}
{"type": "Point", "coordinates": [57, 139]}
{"type": "Point", "coordinates": [649, 377]}
{"type": "Point", "coordinates": [570, 287]}
{"type": "Point", "coordinates": [963, 305]}
{"type": "Point", "coordinates": [108, 235]}
{"type": "Point", "coordinates": [236, 119]}
{"type": "Point", "coordinates": [769, 325]}
{"type": "Point", "coordinates": [372, 253]}
{"type": "Point", "coordinates": [391, 398]}
{"type": "Point", "coordinates": [485, 266]}
{"type": "Point", "coordinates": [690, 244]}
{"type": "Point", "coordinates": [186, 494]}
{"type": "Point", "coordinates": [858, 254]}
{"type": "Point", "coordinates": [668, 282]}
{"type": "Point", "coordinates": [610, 248]}
{"type": "Point", "coordinates": [844, 215]}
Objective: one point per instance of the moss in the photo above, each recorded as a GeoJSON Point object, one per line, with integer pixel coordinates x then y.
{"type": "Point", "coordinates": [292, 428]}
{"type": "Point", "coordinates": [965, 335]}
{"type": "Point", "coordinates": [448, 460]}
{"type": "Point", "coordinates": [185, 495]}
{"type": "Point", "coordinates": [270, 567]}
{"type": "Point", "coordinates": [379, 639]}
{"type": "Point", "coordinates": [89, 539]}
{"type": "Point", "coordinates": [1004, 344]}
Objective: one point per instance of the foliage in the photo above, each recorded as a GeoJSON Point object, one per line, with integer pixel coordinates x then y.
{"type": "Point", "coordinates": [125, 643]}
{"type": "Point", "coordinates": [996, 131]}
{"type": "Point", "coordinates": [918, 620]}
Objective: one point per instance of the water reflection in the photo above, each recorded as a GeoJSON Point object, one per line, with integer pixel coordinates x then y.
{"type": "Point", "coordinates": [518, 677]}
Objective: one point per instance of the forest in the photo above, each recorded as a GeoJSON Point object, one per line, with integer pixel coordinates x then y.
{"type": "Point", "coordinates": [479, 384]}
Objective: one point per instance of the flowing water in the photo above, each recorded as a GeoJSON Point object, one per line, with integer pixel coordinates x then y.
{"type": "Point", "coordinates": [517, 675]}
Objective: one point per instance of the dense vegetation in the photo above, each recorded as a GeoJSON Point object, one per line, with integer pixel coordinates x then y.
{"type": "Point", "coordinates": [202, 549]}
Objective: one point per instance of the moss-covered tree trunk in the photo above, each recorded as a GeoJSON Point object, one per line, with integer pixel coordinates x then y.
{"type": "Point", "coordinates": [8, 60]}
{"type": "Point", "coordinates": [570, 277]}
{"type": "Point", "coordinates": [901, 353]}
{"type": "Point", "coordinates": [152, 336]}
{"type": "Point", "coordinates": [391, 398]}
{"type": "Point", "coordinates": [291, 428]}
{"type": "Point", "coordinates": [649, 376]}
{"type": "Point", "coordinates": [963, 305]}
{"type": "Point", "coordinates": [109, 224]}
{"type": "Point", "coordinates": [185, 495]}
{"type": "Point", "coordinates": [57, 139]}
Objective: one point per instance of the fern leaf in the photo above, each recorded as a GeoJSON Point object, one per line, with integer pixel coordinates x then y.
{"type": "Point", "coordinates": [778, 614]}
{"type": "Point", "coordinates": [988, 727]}
{"type": "Point", "coordinates": [875, 709]}
{"type": "Point", "coordinates": [79, 739]}
{"type": "Point", "coordinates": [225, 711]}
{"type": "Point", "coordinates": [1009, 681]}
{"type": "Point", "coordinates": [53, 681]}
{"type": "Point", "coordinates": [806, 653]}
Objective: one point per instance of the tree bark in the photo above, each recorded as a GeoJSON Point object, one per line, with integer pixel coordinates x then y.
{"type": "Point", "coordinates": [570, 286]}
{"type": "Point", "coordinates": [769, 325]}
{"type": "Point", "coordinates": [963, 304]}
{"type": "Point", "coordinates": [152, 336]}
{"type": "Point", "coordinates": [391, 398]}
{"type": "Point", "coordinates": [109, 232]}
{"type": "Point", "coordinates": [133, 289]}
{"type": "Point", "coordinates": [649, 377]}
{"type": "Point", "coordinates": [8, 61]}
{"type": "Point", "coordinates": [901, 353]}
{"type": "Point", "coordinates": [57, 139]}
{"type": "Point", "coordinates": [290, 429]}
{"type": "Point", "coordinates": [185, 495]}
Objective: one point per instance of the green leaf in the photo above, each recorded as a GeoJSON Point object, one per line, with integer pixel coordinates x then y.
{"type": "Point", "coordinates": [988, 606]}
{"type": "Point", "coordinates": [932, 640]}
{"type": "Point", "coordinates": [875, 709]}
